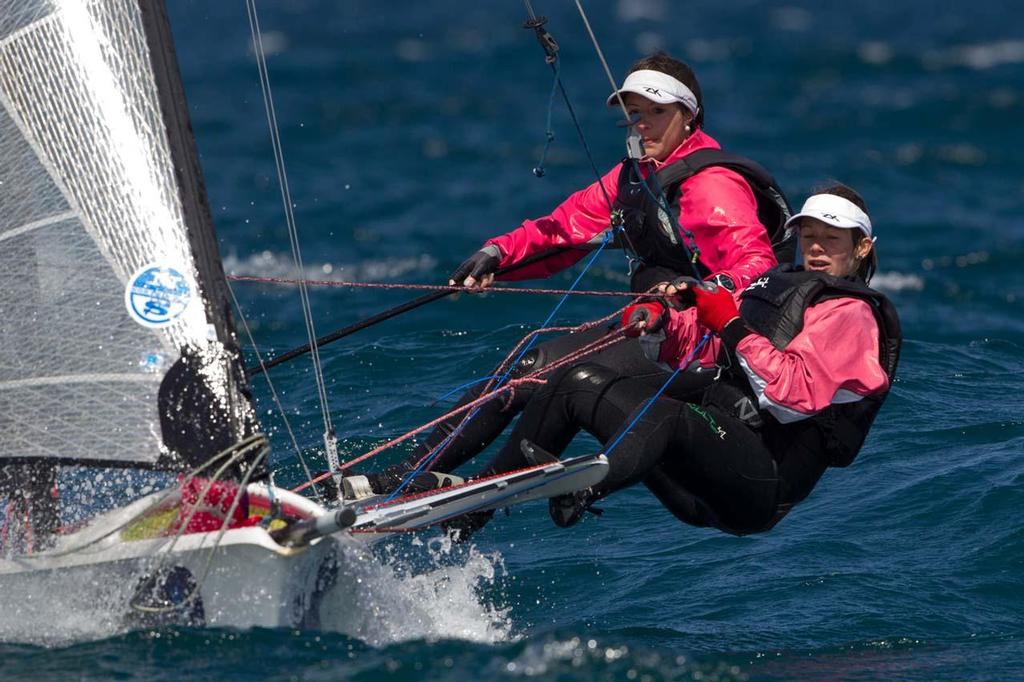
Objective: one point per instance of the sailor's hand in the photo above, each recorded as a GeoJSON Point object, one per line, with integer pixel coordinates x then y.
{"type": "Point", "coordinates": [478, 270]}
{"type": "Point", "coordinates": [643, 318]}
{"type": "Point", "coordinates": [715, 306]}
{"type": "Point", "coordinates": [679, 292]}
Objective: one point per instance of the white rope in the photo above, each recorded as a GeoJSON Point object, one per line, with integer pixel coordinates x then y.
{"type": "Point", "coordinates": [282, 175]}
{"type": "Point", "coordinates": [225, 524]}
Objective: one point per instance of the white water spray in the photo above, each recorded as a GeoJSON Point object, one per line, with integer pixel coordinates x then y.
{"type": "Point", "coordinates": [387, 602]}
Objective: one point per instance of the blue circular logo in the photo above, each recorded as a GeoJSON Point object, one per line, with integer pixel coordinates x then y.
{"type": "Point", "coordinates": [156, 295]}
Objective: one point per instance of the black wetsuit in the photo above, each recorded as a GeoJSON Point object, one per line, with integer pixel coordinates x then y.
{"type": "Point", "coordinates": [742, 488]}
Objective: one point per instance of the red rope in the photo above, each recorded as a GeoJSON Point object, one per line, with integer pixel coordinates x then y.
{"type": "Point", "coordinates": [534, 377]}
{"type": "Point", "coordinates": [430, 287]}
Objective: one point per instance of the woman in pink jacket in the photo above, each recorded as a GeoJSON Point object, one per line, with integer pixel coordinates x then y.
{"type": "Point", "coordinates": [807, 359]}
{"type": "Point", "coordinates": [719, 206]}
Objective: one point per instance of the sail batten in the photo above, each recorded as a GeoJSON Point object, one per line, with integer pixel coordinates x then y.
{"type": "Point", "coordinates": [81, 379]}
{"type": "Point", "coordinates": [43, 222]}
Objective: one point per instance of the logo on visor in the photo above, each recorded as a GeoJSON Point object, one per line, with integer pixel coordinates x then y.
{"type": "Point", "coordinates": [653, 91]}
{"type": "Point", "coordinates": [830, 216]}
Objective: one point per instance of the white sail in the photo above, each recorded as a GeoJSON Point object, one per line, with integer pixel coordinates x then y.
{"type": "Point", "coordinates": [89, 197]}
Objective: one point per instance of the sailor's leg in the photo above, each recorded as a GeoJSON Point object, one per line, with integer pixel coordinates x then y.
{"type": "Point", "coordinates": [492, 417]}
{"type": "Point", "coordinates": [624, 359]}
{"type": "Point", "coordinates": [717, 472]}
{"type": "Point", "coordinates": [571, 399]}
{"type": "Point", "coordinates": [588, 396]}
{"type": "Point", "coordinates": [706, 467]}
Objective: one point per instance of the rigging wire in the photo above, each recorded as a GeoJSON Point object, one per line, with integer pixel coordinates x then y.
{"type": "Point", "coordinates": [273, 394]}
{"type": "Point", "coordinates": [616, 226]}
{"type": "Point", "coordinates": [235, 452]}
{"type": "Point", "coordinates": [532, 377]}
{"type": "Point", "coordinates": [549, 134]}
{"type": "Point", "coordinates": [604, 62]}
{"type": "Point", "coordinates": [330, 442]}
{"type": "Point", "coordinates": [683, 363]}
{"type": "Point", "coordinates": [551, 57]}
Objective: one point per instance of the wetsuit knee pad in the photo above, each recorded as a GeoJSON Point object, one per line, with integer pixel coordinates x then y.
{"type": "Point", "coordinates": [534, 359]}
{"type": "Point", "coordinates": [590, 377]}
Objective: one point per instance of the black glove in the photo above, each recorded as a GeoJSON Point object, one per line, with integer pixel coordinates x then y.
{"type": "Point", "coordinates": [483, 262]}
{"type": "Point", "coordinates": [686, 298]}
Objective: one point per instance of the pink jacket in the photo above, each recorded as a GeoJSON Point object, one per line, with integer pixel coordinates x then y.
{"type": "Point", "coordinates": [716, 205]}
{"type": "Point", "coordinates": [833, 360]}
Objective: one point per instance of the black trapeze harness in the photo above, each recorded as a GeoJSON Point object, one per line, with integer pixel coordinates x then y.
{"type": "Point", "coordinates": [773, 306]}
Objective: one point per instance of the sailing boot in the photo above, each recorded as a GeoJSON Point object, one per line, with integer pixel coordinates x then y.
{"type": "Point", "coordinates": [566, 510]}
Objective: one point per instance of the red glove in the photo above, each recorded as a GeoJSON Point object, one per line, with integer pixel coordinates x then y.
{"type": "Point", "coordinates": [643, 318]}
{"type": "Point", "coordinates": [715, 308]}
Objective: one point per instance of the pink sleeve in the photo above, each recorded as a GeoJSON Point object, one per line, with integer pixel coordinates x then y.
{"type": "Point", "coordinates": [574, 222]}
{"type": "Point", "coordinates": [719, 208]}
{"type": "Point", "coordinates": [833, 360]}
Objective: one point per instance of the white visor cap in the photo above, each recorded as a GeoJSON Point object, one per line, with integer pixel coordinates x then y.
{"type": "Point", "coordinates": [658, 87]}
{"type": "Point", "coordinates": [834, 211]}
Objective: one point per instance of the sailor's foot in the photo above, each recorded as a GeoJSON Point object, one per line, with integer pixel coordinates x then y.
{"type": "Point", "coordinates": [567, 510]}
{"type": "Point", "coordinates": [326, 489]}
{"type": "Point", "coordinates": [358, 487]}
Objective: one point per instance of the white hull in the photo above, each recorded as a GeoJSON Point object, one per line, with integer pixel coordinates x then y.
{"type": "Point", "coordinates": [248, 580]}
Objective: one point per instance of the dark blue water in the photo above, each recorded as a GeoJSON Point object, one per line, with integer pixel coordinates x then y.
{"type": "Point", "coordinates": [410, 131]}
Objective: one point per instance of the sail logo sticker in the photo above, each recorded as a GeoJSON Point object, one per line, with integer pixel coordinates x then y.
{"type": "Point", "coordinates": [156, 295]}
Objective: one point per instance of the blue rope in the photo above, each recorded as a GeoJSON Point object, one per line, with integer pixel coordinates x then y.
{"type": "Point", "coordinates": [439, 448]}
{"type": "Point", "coordinates": [684, 363]}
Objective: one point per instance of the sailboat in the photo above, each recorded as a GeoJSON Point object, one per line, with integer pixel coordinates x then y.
{"type": "Point", "coordinates": [122, 387]}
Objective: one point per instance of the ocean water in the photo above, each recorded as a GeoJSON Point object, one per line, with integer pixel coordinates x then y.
{"type": "Point", "coordinates": [409, 133]}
